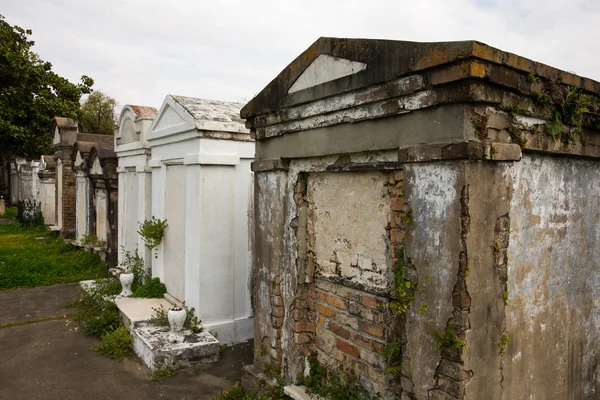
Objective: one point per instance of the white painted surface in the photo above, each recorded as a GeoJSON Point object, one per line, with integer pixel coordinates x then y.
{"type": "Point", "coordinates": [135, 182]}
{"type": "Point", "coordinates": [326, 68]}
{"type": "Point", "coordinates": [203, 187]}
{"type": "Point", "coordinates": [101, 214]}
{"type": "Point", "coordinates": [82, 204]}
{"type": "Point", "coordinates": [174, 240]}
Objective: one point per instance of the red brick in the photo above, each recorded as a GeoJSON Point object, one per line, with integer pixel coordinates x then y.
{"type": "Point", "coordinates": [369, 301]}
{"type": "Point", "coordinates": [362, 341]}
{"type": "Point", "coordinates": [336, 302]}
{"type": "Point", "coordinates": [338, 330]}
{"type": "Point", "coordinates": [328, 312]}
{"type": "Point", "coordinates": [321, 296]}
{"type": "Point", "coordinates": [371, 328]}
{"type": "Point", "coordinates": [321, 320]}
{"type": "Point", "coordinates": [347, 348]}
{"type": "Point", "coordinates": [397, 204]}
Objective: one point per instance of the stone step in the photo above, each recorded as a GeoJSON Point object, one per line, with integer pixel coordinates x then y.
{"type": "Point", "coordinates": [136, 310]}
{"type": "Point", "coordinates": [299, 393]}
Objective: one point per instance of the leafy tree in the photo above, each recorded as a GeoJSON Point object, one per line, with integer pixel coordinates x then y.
{"type": "Point", "coordinates": [31, 94]}
{"type": "Point", "coordinates": [98, 114]}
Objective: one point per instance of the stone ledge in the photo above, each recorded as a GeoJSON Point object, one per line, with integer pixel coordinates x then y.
{"type": "Point", "coordinates": [134, 311]}
{"type": "Point", "coordinates": [460, 150]}
{"type": "Point", "coordinates": [269, 165]}
{"type": "Point", "coordinates": [299, 393]}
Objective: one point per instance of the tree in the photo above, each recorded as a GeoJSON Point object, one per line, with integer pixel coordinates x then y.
{"type": "Point", "coordinates": [98, 114]}
{"type": "Point", "coordinates": [31, 94]}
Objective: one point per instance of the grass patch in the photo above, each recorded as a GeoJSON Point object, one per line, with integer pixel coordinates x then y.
{"type": "Point", "coordinates": [31, 321]}
{"type": "Point", "coordinates": [29, 262]}
{"type": "Point", "coordinates": [237, 392]}
{"type": "Point", "coordinates": [11, 212]}
{"type": "Point", "coordinates": [165, 372]}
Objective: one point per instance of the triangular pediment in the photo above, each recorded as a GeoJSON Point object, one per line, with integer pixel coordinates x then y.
{"type": "Point", "coordinates": [56, 139]}
{"type": "Point", "coordinates": [96, 167]}
{"type": "Point", "coordinates": [326, 68]}
{"type": "Point", "coordinates": [168, 118]}
{"type": "Point", "coordinates": [78, 159]}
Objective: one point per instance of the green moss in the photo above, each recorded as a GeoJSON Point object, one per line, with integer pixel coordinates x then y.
{"type": "Point", "coordinates": [480, 126]}
{"type": "Point", "coordinates": [504, 341]}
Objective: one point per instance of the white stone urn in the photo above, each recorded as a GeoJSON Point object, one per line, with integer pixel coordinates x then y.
{"type": "Point", "coordinates": [126, 281]}
{"type": "Point", "coordinates": [176, 317]}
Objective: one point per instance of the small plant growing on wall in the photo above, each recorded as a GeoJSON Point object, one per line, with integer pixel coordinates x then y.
{"type": "Point", "coordinates": [153, 231]}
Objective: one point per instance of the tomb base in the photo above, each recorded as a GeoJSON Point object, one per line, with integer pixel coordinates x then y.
{"type": "Point", "coordinates": [159, 347]}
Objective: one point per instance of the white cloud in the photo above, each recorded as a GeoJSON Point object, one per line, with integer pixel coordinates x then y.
{"type": "Point", "coordinates": [140, 50]}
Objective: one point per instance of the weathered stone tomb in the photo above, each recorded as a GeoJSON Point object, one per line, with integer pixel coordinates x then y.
{"type": "Point", "coordinates": [65, 134]}
{"type": "Point", "coordinates": [202, 185]}
{"type": "Point", "coordinates": [135, 179]}
{"type": "Point", "coordinates": [439, 199]}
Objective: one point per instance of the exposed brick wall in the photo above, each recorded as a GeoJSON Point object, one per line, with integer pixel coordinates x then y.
{"type": "Point", "coordinates": [69, 194]}
{"type": "Point", "coordinates": [351, 331]}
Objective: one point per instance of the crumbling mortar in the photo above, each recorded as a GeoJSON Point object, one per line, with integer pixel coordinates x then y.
{"type": "Point", "coordinates": [455, 386]}
{"type": "Point", "coordinates": [500, 248]}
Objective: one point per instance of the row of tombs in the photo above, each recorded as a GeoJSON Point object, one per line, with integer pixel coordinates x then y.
{"type": "Point", "coordinates": [394, 209]}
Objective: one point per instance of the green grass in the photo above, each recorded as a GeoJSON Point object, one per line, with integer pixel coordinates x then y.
{"type": "Point", "coordinates": [11, 212]}
{"type": "Point", "coordinates": [28, 262]}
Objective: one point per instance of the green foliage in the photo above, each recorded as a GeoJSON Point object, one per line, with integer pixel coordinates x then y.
{"type": "Point", "coordinates": [572, 110]}
{"type": "Point", "coordinates": [517, 136]}
{"type": "Point", "coordinates": [393, 358]}
{"type": "Point", "coordinates": [29, 262]}
{"type": "Point", "coordinates": [153, 231]}
{"type": "Point", "coordinates": [403, 291]}
{"type": "Point", "coordinates": [505, 298]}
{"type": "Point", "coordinates": [134, 263]}
{"type": "Point", "coordinates": [504, 341]}
{"type": "Point", "coordinates": [480, 126]}
{"type": "Point", "coordinates": [513, 111]}
{"type": "Point", "coordinates": [11, 212]}
{"type": "Point", "coordinates": [330, 385]}
{"type": "Point", "coordinates": [152, 289]}
{"type": "Point", "coordinates": [115, 344]}
{"type": "Point", "coordinates": [98, 114]}
{"type": "Point", "coordinates": [447, 339]}
{"type": "Point", "coordinates": [92, 239]}
{"type": "Point", "coordinates": [165, 372]}
{"type": "Point", "coordinates": [237, 392]}
{"type": "Point", "coordinates": [96, 316]}
{"type": "Point", "coordinates": [494, 247]}
{"type": "Point", "coordinates": [532, 78]}
{"type": "Point", "coordinates": [159, 318]}
{"type": "Point", "coordinates": [31, 94]}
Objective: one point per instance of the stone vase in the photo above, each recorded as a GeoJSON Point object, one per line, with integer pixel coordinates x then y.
{"type": "Point", "coordinates": [126, 281]}
{"type": "Point", "coordinates": [176, 317]}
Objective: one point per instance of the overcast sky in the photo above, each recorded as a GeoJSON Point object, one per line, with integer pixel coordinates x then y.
{"type": "Point", "coordinates": [138, 51]}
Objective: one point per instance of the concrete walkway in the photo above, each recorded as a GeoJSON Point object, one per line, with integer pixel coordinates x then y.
{"type": "Point", "coordinates": [51, 360]}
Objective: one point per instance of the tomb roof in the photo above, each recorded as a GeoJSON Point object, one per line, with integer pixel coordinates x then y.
{"type": "Point", "coordinates": [102, 140]}
{"type": "Point", "coordinates": [143, 111]}
{"type": "Point", "coordinates": [332, 66]}
{"type": "Point", "coordinates": [210, 110]}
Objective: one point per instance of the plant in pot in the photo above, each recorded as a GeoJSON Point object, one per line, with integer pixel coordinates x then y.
{"type": "Point", "coordinates": [153, 231]}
